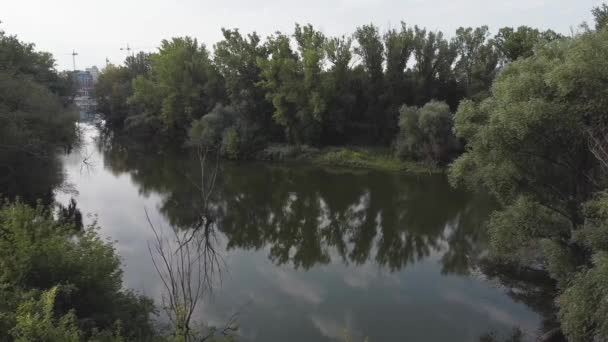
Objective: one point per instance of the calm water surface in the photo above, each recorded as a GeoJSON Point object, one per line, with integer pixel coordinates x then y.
{"type": "Point", "coordinates": [309, 252]}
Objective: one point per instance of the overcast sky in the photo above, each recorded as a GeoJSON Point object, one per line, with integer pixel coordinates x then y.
{"type": "Point", "coordinates": [97, 29]}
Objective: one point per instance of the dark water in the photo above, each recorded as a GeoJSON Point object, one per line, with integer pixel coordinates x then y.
{"type": "Point", "coordinates": [309, 252]}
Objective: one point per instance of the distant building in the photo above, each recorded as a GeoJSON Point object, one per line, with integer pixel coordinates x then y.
{"type": "Point", "coordinates": [94, 73]}
{"type": "Point", "coordinates": [85, 80]}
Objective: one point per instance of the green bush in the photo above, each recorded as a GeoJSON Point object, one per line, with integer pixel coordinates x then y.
{"type": "Point", "coordinates": [426, 133]}
{"type": "Point", "coordinates": [38, 253]}
{"type": "Point", "coordinates": [35, 321]}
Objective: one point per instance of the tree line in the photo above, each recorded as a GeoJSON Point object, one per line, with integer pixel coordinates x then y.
{"type": "Point", "coordinates": [307, 88]}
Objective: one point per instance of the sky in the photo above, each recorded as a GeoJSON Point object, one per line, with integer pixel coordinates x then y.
{"type": "Point", "coordinates": [97, 29]}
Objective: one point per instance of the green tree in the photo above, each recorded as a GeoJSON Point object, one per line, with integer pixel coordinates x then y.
{"type": "Point", "coordinates": [280, 79]}
{"type": "Point", "coordinates": [339, 95]}
{"type": "Point", "coordinates": [528, 145]}
{"type": "Point", "coordinates": [35, 122]}
{"type": "Point", "coordinates": [311, 46]}
{"type": "Point", "coordinates": [371, 51]}
{"type": "Point", "coordinates": [600, 14]}
{"type": "Point", "coordinates": [398, 48]}
{"type": "Point", "coordinates": [514, 44]}
{"type": "Point", "coordinates": [115, 86]}
{"type": "Point", "coordinates": [293, 83]}
{"type": "Point", "coordinates": [112, 90]}
{"type": "Point", "coordinates": [433, 73]}
{"type": "Point", "coordinates": [477, 61]}
{"type": "Point", "coordinates": [426, 133]}
{"type": "Point", "coordinates": [236, 57]}
{"type": "Point", "coordinates": [183, 85]}
{"type": "Point", "coordinates": [17, 57]}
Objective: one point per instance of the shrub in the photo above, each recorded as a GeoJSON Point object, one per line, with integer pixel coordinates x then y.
{"type": "Point", "coordinates": [426, 133]}
{"type": "Point", "coordinates": [38, 253]}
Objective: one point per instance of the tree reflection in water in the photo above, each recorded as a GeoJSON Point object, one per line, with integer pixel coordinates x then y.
{"type": "Point", "coordinates": [307, 216]}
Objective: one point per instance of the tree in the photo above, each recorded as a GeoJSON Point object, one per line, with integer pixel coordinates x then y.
{"type": "Point", "coordinates": [35, 122]}
{"type": "Point", "coordinates": [582, 313]}
{"type": "Point", "coordinates": [115, 86]}
{"type": "Point", "coordinates": [280, 79]}
{"type": "Point", "coordinates": [426, 133]}
{"type": "Point", "coordinates": [184, 85]}
{"type": "Point", "coordinates": [398, 48]}
{"type": "Point", "coordinates": [514, 44]}
{"type": "Point", "coordinates": [371, 51]}
{"type": "Point", "coordinates": [311, 46]}
{"type": "Point", "coordinates": [219, 131]}
{"type": "Point", "coordinates": [112, 90]}
{"type": "Point", "coordinates": [528, 145]}
{"type": "Point", "coordinates": [339, 95]}
{"type": "Point", "coordinates": [292, 81]}
{"type": "Point", "coordinates": [140, 64]}
{"type": "Point", "coordinates": [236, 57]}
{"type": "Point", "coordinates": [18, 57]}
{"type": "Point", "coordinates": [600, 13]}
{"type": "Point", "coordinates": [433, 74]}
{"type": "Point", "coordinates": [477, 61]}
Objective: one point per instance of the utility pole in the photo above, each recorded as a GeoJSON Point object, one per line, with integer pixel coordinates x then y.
{"type": "Point", "coordinates": [128, 49]}
{"type": "Point", "coordinates": [74, 54]}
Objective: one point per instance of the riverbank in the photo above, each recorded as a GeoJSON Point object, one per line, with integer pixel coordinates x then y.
{"type": "Point", "coordinates": [371, 158]}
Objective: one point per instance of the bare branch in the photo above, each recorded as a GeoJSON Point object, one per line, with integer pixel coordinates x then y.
{"type": "Point", "coordinates": [188, 263]}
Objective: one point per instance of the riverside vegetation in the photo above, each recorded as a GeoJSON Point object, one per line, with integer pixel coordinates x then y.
{"type": "Point", "coordinates": [530, 128]}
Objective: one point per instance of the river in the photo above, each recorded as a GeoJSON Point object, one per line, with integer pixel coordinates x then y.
{"type": "Point", "coordinates": [308, 253]}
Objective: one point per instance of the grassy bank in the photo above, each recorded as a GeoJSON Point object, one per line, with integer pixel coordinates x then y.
{"type": "Point", "coordinates": [351, 157]}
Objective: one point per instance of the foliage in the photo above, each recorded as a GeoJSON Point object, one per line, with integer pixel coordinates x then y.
{"type": "Point", "coordinates": [514, 44]}
{"type": "Point", "coordinates": [528, 145]}
{"type": "Point", "coordinates": [161, 92]}
{"type": "Point", "coordinates": [20, 58]}
{"type": "Point", "coordinates": [35, 121]}
{"type": "Point", "coordinates": [600, 13]}
{"type": "Point", "coordinates": [236, 58]}
{"type": "Point", "coordinates": [583, 308]}
{"type": "Point", "coordinates": [433, 71]}
{"type": "Point", "coordinates": [115, 86]}
{"type": "Point", "coordinates": [39, 253]}
{"type": "Point", "coordinates": [35, 321]}
{"type": "Point", "coordinates": [306, 88]}
{"type": "Point", "coordinates": [369, 159]}
{"type": "Point", "coordinates": [292, 81]}
{"type": "Point", "coordinates": [477, 65]}
{"type": "Point", "coordinates": [112, 90]}
{"type": "Point", "coordinates": [426, 133]}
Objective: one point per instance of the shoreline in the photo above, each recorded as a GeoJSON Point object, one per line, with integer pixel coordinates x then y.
{"type": "Point", "coordinates": [360, 157]}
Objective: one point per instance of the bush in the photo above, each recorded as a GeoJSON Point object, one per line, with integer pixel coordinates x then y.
{"type": "Point", "coordinates": [38, 253]}
{"type": "Point", "coordinates": [35, 321]}
{"type": "Point", "coordinates": [426, 133]}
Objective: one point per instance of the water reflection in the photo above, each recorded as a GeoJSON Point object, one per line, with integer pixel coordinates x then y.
{"type": "Point", "coordinates": [309, 252]}
{"type": "Point", "coordinates": [31, 179]}
{"type": "Point", "coordinates": [309, 216]}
